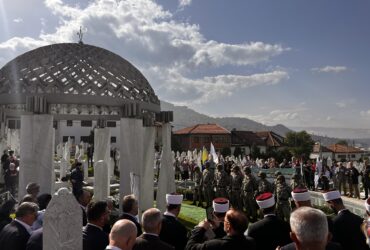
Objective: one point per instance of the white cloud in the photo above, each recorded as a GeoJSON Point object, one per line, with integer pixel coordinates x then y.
{"type": "Point", "coordinates": [173, 55]}
{"type": "Point", "coordinates": [345, 103]}
{"type": "Point", "coordinates": [183, 3]}
{"type": "Point", "coordinates": [330, 69]}
{"type": "Point", "coordinates": [281, 116]}
{"type": "Point", "coordinates": [18, 20]}
{"type": "Point", "coordinates": [365, 114]}
{"type": "Point", "coordinates": [179, 89]}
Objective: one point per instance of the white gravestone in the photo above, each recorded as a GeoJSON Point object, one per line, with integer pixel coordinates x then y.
{"type": "Point", "coordinates": [147, 173]}
{"type": "Point", "coordinates": [131, 150]}
{"type": "Point", "coordinates": [86, 170]}
{"type": "Point", "coordinates": [111, 168]}
{"type": "Point", "coordinates": [36, 162]}
{"type": "Point", "coordinates": [62, 223]}
{"type": "Point", "coordinates": [101, 181]}
{"type": "Point", "coordinates": [166, 181]}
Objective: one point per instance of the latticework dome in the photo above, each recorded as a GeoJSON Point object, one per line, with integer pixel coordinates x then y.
{"type": "Point", "coordinates": [77, 72]}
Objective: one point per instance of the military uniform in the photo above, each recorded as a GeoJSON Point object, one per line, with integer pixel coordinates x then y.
{"type": "Point", "coordinates": [235, 194]}
{"type": "Point", "coordinates": [283, 192]}
{"type": "Point", "coordinates": [197, 192]}
{"type": "Point", "coordinates": [340, 176]}
{"type": "Point", "coordinates": [207, 185]}
{"type": "Point", "coordinates": [250, 189]}
{"type": "Point", "coordinates": [222, 181]}
{"type": "Point", "coordinates": [264, 186]}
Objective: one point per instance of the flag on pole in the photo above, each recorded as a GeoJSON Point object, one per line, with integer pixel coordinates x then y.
{"type": "Point", "coordinates": [213, 153]}
{"type": "Point", "coordinates": [204, 155]}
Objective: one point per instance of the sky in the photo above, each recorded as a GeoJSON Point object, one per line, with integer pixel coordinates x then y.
{"type": "Point", "coordinates": [292, 62]}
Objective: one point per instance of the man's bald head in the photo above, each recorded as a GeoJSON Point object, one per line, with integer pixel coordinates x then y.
{"type": "Point", "coordinates": [123, 234]}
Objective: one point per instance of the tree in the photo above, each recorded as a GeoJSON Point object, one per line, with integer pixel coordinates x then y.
{"type": "Point", "coordinates": [226, 152]}
{"type": "Point", "coordinates": [342, 142]}
{"type": "Point", "coordinates": [299, 144]}
{"type": "Point", "coordinates": [255, 152]}
{"type": "Point", "coordinates": [237, 151]}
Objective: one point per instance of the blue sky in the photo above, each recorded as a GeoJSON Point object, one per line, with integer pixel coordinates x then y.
{"type": "Point", "coordinates": [299, 63]}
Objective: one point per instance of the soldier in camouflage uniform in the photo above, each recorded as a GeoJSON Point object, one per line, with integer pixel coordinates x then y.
{"type": "Point", "coordinates": [283, 192]}
{"type": "Point", "coordinates": [236, 181]}
{"type": "Point", "coordinates": [264, 186]}
{"type": "Point", "coordinates": [296, 182]}
{"type": "Point", "coordinates": [250, 189]}
{"type": "Point", "coordinates": [276, 174]}
{"type": "Point", "coordinates": [222, 182]}
{"type": "Point", "coordinates": [208, 184]}
{"type": "Point", "coordinates": [197, 194]}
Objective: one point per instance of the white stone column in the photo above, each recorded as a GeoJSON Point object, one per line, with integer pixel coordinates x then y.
{"type": "Point", "coordinates": [131, 152]}
{"type": "Point", "coordinates": [36, 151]}
{"type": "Point", "coordinates": [166, 180]}
{"type": "Point", "coordinates": [101, 181]}
{"type": "Point", "coordinates": [101, 145]}
{"type": "Point", "coordinates": [147, 173]}
{"type": "Point", "coordinates": [62, 223]}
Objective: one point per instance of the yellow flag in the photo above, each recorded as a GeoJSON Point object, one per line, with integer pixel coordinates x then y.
{"type": "Point", "coordinates": [204, 155]}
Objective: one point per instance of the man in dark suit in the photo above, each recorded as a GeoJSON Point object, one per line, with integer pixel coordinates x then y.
{"type": "Point", "coordinates": [346, 225]}
{"type": "Point", "coordinates": [130, 210]}
{"type": "Point", "coordinates": [35, 241]}
{"type": "Point", "coordinates": [83, 199]}
{"type": "Point", "coordinates": [122, 236]}
{"type": "Point", "coordinates": [93, 236]}
{"type": "Point", "coordinates": [235, 225]}
{"type": "Point", "coordinates": [173, 232]}
{"type": "Point", "coordinates": [270, 232]}
{"type": "Point", "coordinates": [15, 235]}
{"type": "Point", "coordinates": [152, 224]}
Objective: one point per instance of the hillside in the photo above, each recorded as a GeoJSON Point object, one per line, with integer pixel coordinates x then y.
{"type": "Point", "coordinates": [186, 117]}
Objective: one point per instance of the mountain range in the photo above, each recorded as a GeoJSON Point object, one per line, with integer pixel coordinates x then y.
{"type": "Point", "coordinates": [186, 117]}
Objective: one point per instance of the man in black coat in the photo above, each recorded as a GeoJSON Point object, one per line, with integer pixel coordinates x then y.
{"type": "Point", "coordinates": [173, 232]}
{"type": "Point", "coordinates": [235, 225]}
{"type": "Point", "coordinates": [84, 198]}
{"type": "Point", "coordinates": [346, 225]}
{"type": "Point", "coordinates": [130, 210]}
{"type": "Point", "coordinates": [270, 232]}
{"type": "Point", "coordinates": [152, 224]}
{"type": "Point", "coordinates": [77, 177]}
{"type": "Point", "coordinates": [15, 235]}
{"type": "Point", "coordinates": [35, 241]}
{"type": "Point", "coordinates": [93, 236]}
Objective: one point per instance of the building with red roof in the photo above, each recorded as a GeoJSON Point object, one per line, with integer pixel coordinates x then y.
{"type": "Point", "coordinates": [197, 136]}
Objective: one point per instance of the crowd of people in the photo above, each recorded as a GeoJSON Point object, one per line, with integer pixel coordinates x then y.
{"type": "Point", "coordinates": [226, 227]}
{"type": "Point", "coordinates": [232, 177]}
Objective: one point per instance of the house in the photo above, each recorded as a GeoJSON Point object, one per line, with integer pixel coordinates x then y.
{"type": "Point", "coordinates": [245, 140]}
{"type": "Point", "coordinates": [200, 135]}
{"type": "Point", "coordinates": [321, 151]}
{"type": "Point", "coordinates": [344, 152]}
{"type": "Point", "coordinates": [272, 139]}
{"type": "Point", "coordinates": [337, 152]}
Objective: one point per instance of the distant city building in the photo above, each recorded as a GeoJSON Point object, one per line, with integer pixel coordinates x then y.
{"type": "Point", "coordinates": [272, 139]}
{"type": "Point", "coordinates": [200, 135]}
{"type": "Point", "coordinates": [337, 152]}
{"type": "Point", "coordinates": [246, 140]}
